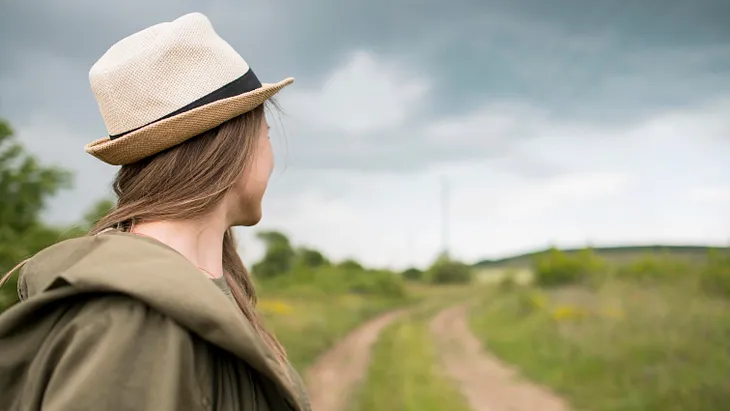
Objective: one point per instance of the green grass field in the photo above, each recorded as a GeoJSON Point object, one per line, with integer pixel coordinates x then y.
{"type": "Point", "coordinates": [404, 374]}
{"type": "Point", "coordinates": [307, 325]}
{"type": "Point", "coordinates": [309, 321]}
{"type": "Point", "coordinates": [623, 347]}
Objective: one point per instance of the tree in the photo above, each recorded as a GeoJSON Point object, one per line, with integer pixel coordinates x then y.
{"type": "Point", "coordinates": [25, 187]}
{"type": "Point", "coordinates": [311, 258]}
{"type": "Point", "coordinates": [413, 274]}
{"type": "Point", "coordinates": [351, 265]}
{"type": "Point", "coordinates": [447, 271]}
{"type": "Point", "coordinates": [279, 257]}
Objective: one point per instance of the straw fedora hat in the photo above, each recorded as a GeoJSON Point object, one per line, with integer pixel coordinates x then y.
{"type": "Point", "coordinates": [168, 83]}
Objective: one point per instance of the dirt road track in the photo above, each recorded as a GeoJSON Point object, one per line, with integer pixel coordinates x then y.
{"type": "Point", "coordinates": [487, 383]}
{"type": "Point", "coordinates": [332, 379]}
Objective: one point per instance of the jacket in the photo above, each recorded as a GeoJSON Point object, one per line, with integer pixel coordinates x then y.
{"type": "Point", "coordinates": [121, 322]}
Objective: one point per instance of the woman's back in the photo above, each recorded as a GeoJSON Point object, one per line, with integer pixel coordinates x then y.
{"type": "Point", "coordinates": [119, 321]}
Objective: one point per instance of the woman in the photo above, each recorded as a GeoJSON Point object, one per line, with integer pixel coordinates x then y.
{"type": "Point", "coordinates": [154, 310]}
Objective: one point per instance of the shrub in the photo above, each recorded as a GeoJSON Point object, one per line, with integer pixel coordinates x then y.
{"type": "Point", "coordinates": [310, 258]}
{"type": "Point", "coordinates": [555, 267]}
{"type": "Point", "coordinates": [651, 267]}
{"type": "Point", "coordinates": [412, 274]}
{"type": "Point", "coordinates": [351, 264]}
{"type": "Point", "coordinates": [377, 282]}
{"type": "Point", "coordinates": [447, 271]}
{"type": "Point", "coordinates": [308, 270]}
{"type": "Point", "coordinates": [330, 279]}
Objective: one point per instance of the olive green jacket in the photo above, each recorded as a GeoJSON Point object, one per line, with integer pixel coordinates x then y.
{"type": "Point", "coordinates": [122, 322]}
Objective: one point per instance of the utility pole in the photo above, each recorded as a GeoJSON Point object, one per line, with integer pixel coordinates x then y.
{"type": "Point", "coordinates": [410, 247]}
{"type": "Point", "coordinates": [445, 216]}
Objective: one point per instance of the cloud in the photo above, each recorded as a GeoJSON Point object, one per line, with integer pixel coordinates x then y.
{"type": "Point", "coordinates": [714, 195]}
{"type": "Point", "coordinates": [539, 199]}
{"type": "Point", "coordinates": [366, 94]}
{"type": "Point", "coordinates": [368, 115]}
{"type": "Point", "coordinates": [493, 125]}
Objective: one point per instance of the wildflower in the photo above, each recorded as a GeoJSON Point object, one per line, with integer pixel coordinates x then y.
{"type": "Point", "coordinates": [275, 307]}
{"type": "Point", "coordinates": [566, 312]}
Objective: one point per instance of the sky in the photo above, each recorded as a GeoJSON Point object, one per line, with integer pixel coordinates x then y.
{"type": "Point", "coordinates": [546, 123]}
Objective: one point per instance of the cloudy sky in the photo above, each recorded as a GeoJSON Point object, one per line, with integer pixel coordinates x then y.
{"type": "Point", "coordinates": [560, 122]}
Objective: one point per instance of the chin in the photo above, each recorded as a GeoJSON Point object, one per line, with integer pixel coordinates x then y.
{"type": "Point", "coordinates": [246, 213]}
{"type": "Point", "coordinates": [248, 220]}
{"type": "Point", "coordinates": [249, 223]}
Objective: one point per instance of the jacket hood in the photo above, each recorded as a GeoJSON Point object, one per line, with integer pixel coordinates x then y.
{"type": "Point", "coordinates": [157, 275]}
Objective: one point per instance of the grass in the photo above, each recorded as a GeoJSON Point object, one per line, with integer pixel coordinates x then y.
{"type": "Point", "coordinates": [307, 324]}
{"type": "Point", "coordinates": [404, 374]}
{"type": "Point", "coordinates": [308, 321]}
{"type": "Point", "coordinates": [622, 347]}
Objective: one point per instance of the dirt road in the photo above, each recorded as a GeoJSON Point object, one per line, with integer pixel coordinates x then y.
{"type": "Point", "coordinates": [487, 383]}
{"type": "Point", "coordinates": [333, 378]}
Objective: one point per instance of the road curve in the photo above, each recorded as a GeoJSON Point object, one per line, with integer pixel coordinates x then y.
{"type": "Point", "coordinates": [486, 382]}
{"type": "Point", "coordinates": [331, 380]}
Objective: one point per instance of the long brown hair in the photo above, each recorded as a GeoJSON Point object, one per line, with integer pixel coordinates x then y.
{"type": "Point", "coordinates": [187, 182]}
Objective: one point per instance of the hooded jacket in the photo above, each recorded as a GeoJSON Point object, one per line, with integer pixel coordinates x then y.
{"type": "Point", "coordinates": [121, 322]}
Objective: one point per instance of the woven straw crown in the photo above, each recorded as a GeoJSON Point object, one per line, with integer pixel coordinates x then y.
{"type": "Point", "coordinates": [168, 83]}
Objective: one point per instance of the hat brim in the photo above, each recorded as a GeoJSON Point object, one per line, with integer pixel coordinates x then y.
{"type": "Point", "coordinates": [167, 133]}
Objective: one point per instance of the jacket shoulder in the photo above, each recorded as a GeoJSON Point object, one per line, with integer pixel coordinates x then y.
{"type": "Point", "coordinates": [105, 351]}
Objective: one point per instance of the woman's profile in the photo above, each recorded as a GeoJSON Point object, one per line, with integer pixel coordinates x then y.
{"type": "Point", "coordinates": [154, 309]}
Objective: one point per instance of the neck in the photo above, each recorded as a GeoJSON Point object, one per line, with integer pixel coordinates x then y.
{"type": "Point", "coordinates": [200, 241]}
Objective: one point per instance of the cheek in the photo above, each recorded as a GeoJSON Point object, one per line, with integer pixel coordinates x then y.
{"type": "Point", "coordinates": [272, 161]}
{"type": "Point", "coordinates": [264, 165]}
{"type": "Point", "coordinates": [266, 158]}
{"type": "Point", "coordinates": [254, 182]}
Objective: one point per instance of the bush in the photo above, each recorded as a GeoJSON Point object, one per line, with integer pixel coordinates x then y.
{"type": "Point", "coordinates": [651, 267]}
{"type": "Point", "coordinates": [377, 282]}
{"type": "Point", "coordinates": [412, 274]}
{"type": "Point", "coordinates": [555, 267]}
{"type": "Point", "coordinates": [304, 270]}
{"type": "Point", "coordinates": [310, 258]}
{"type": "Point", "coordinates": [351, 264]}
{"type": "Point", "coordinates": [447, 271]}
{"type": "Point", "coordinates": [330, 280]}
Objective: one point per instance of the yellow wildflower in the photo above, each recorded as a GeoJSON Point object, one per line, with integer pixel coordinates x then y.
{"type": "Point", "coordinates": [566, 312]}
{"type": "Point", "coordinates": [275, 307]}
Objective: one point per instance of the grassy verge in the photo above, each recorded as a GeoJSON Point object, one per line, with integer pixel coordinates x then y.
{"type": "Point", "coordinates": [308, 321]}
{"type": "Point", "coordinates": [404, 374]}
{"type": "Point", "coordinates": [623, 347]}
{"type": "Point", "coordinates": [307, 325]}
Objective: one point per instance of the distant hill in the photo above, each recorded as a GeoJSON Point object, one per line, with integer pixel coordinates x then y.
{"type": "Point", "coordinates": [613, 254]}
